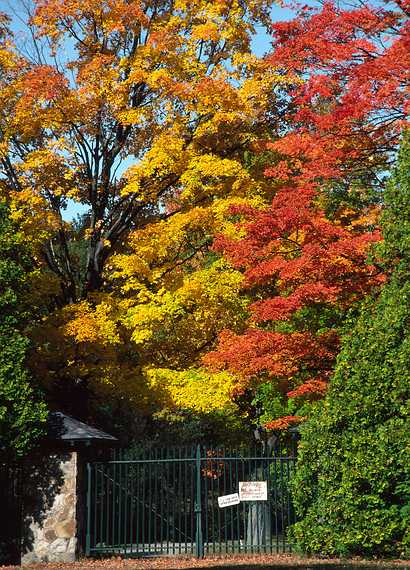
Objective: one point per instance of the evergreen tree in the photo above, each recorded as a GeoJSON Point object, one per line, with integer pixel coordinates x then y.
{"type": "Point", "coordinates": [352, 486]}
{"type": "Point", "coordinates": [21, 412]}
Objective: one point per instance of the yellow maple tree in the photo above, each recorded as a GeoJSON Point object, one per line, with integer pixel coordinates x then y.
{"type": "Point", "coordinates": [144, 114]}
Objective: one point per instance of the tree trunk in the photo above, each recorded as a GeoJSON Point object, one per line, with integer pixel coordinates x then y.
{"type": "Point", "coordinates": [258, 518]}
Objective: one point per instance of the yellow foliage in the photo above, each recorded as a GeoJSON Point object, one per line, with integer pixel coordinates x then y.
{"type": "Point", "coordinates": [173, 92]}
{"type": "Point", "coordinates": [194, 389]}
{"type": "Point", "coordinates": [91, 324]}
{"type": "Point", "coordinates": [212, 174]}
{"type": "Point", "coordinates": [192, 313]}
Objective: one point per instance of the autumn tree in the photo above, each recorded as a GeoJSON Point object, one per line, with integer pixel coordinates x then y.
{"type": "Point", "coordinates": [352, 484]}
{"type": "Point", "coordinates": [154, 107]}
{"type": "Point", "coordinates": [146, 121]}
{"type": "Point", "coordinates": [350, 96]}
{"type": "Point", "coordinates": [303, 271]}
{"type": "Point", "coordinates": [162, 124]}
{"type": "Point", "coordinates": [304, 258]}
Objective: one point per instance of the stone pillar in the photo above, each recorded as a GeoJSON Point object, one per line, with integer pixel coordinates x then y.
{"type": "Point", "coordinates": [51, 526]}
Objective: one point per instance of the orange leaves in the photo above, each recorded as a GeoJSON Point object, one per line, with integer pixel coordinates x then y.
{"type": "Point", "coordinates": [312, 388]}
{"type": "Point", "coordinates": [88, 324]}
{"type": "Point", "coordinates": [44, 84]}
{"type": "Point", "coordinates": [111, 15]}
{"type": "Point", "coordinates": [284, 423]}
{"type": "Point", "coordinates": [39, 90]}
{"type": "Point", "coordinates": [273, 354]}
{"type": "Point", "coordinates": [208, 31]}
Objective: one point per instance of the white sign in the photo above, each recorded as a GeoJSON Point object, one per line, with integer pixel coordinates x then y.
{"type": "Point", "coordinates": [228, 500]}
{"type": "Point", "coordinates": [253, 490]}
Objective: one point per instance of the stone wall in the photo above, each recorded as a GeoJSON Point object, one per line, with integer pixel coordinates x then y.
{"type": "Point", "coordinates": [51, 519]}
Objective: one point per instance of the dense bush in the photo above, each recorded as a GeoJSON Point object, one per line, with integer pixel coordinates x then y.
{"type": "Point", "coordinates": [352, 486]}
{"type": "Point", "coordinates": [22, 415]}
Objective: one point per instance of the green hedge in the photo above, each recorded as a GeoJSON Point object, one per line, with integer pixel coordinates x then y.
{"type": "Point", "coordinates": [22, 413]}
{"type": "Point", "coordinates": [352, 485]}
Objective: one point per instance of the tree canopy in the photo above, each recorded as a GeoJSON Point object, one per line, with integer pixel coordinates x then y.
{"type": "Point", "coordinates": [230, 201]}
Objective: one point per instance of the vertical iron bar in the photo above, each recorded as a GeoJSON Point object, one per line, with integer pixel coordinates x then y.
{"type": "Point", "coordinates": [132, 505]}
{"type": "Point", "coordinates": [149, 492]}
{"type": "Point", "coordinates": [138, 506]}
{"type": "Point", "coordinates": [88, 532]}
{"type": "Point", "coordinates": [179, 499]}
{"type": "Point", "coordinates": [102, 494]}
{"type": "Point", "coordinates": [126, 516]}
{"type": "Point", "coordinates": [114, 510]}
{"type": "Point", "coordinates": [287, 498]}
{"type": "Point", "coordinates": [186, 483]}
{"type": "Point", "coordinates": [107, 504]}
{"type": "Point", "coordinates": [237, 508]}
{"type": "Point", "coordinates": [144, 475]}
{"type": "Point", "coordinates": [230, 465]}
{"type": "Point", "coordinates": [282, 502]}
{"type": "Point", "coordinates": [269, 479]}
{"type": "Point", "coordinates": [193, 475]}
{"type": "Point", "coordinates": [173, 497]}
{"type": "Point", "coordinates": [266, 510]}
{"type": "Point", "coordinates": [213, 503]}
{"type": "Point", "coordinates": [275, 495]}
{"type": "Point", "coordinates": [218, 479]}
{"type": "Point", "coordinates": [155, 501]}
{"type": "Point", "coordinates": [168, 471]}
{"type": "Point", "coordinates": [96, 498]}
{"type": "Point", "coordinates": [198, 506]}
{"type": "Point", "coordinates": [245, 505]}
{"type": "Point", "coordinates": [206, 501]}
{"type": "Point", "coordinates": [160, 475]}
{"type": "Point", "coordinates": [225, 514]}
{"type": "Point", "coordinates": [119, 515]}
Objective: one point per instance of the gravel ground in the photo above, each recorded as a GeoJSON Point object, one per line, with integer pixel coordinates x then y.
{"type": "Point", "coordinates": [281, 562]}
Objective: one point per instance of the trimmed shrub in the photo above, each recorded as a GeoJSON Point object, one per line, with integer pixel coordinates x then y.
{"type": "Point", "coordinates": [352, 484]}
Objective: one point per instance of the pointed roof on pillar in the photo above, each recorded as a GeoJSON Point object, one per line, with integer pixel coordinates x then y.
{"type": "Point", "coordinates": [64, 428]}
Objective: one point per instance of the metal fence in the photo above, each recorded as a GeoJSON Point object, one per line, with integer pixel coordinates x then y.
{"type": "Point", "coordinates": [165, 502]}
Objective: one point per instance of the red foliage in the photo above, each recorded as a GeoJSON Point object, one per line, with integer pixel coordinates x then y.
{"type": "Point", "coordinates": [347, 105]}
{"type": "Point", "coordinates": [316, 388]}
{"type": "Point", "coordinates": [295, 258]}
{"type": "Point", "coordinates": [309, 258]}
{"type": "Point", "coordinates": [278, 355]}
{"type": "Point", "coordinates": [284, 423]}
{"type": "Point", "coordinates": [44, 83]}
{"type": "Point", "coordinates": [355, 95]}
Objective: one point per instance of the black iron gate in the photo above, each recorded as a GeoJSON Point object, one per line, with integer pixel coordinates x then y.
{"type": "Point", "coordinates": [165, 502]}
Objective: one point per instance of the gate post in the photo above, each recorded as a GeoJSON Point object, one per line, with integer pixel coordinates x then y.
{"type": "Point", "coordinates": [198, 506]}
{"type": "Point", "coordinates": [88, 531]}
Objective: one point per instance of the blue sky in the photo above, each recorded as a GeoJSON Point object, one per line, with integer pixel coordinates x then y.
{"type": "Point", "coordinates": [261, 42]}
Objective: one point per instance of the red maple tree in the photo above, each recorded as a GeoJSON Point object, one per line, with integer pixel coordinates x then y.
{"type": "Point", "coordinates": [351, 92]}
{"type": "Point", "coordinates": [299, 265]}
{"type": "Point", "coordinates": [345, 112]}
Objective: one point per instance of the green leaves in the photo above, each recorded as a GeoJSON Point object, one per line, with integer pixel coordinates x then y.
{"type": "Point", "coordinates": [21, 413]}
{"type": "Point", "coordinates": [353, 476]}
